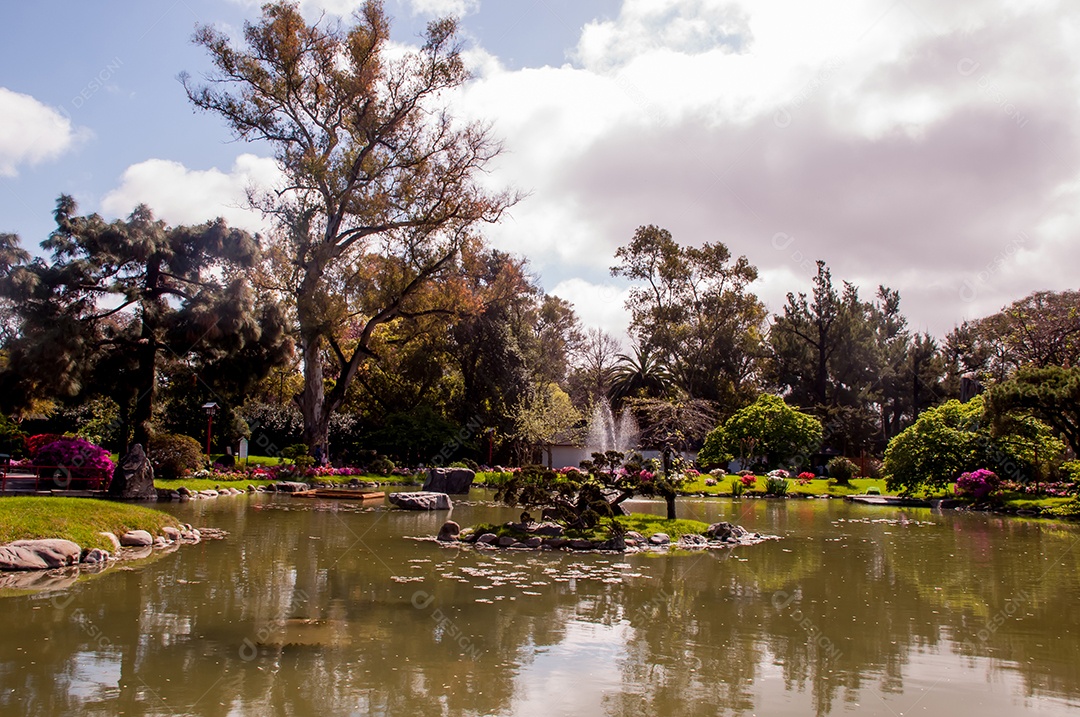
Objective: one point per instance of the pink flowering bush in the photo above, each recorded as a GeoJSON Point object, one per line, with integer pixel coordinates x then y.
{"type": "Point", "coordinates": [805, 477]}
{"type": "Point", "coordinates": [79, 456]}
{"type": "Point", "coordinates": [748, 480]}
{"type": "Point", "coordinates": [977, 484]}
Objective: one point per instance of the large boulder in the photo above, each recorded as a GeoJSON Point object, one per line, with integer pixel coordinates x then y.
{"type": "Point", "coordinates": [288, 486]}
{"type": "Point", "coordinates": [421, 500]}
{"type": "Point", "coordinates": [449, 480]}
{"type": "Point", "coordinates": [39, 554]}
{"type": "Point", "coordinates": [136, 539]}
{"type": "Point", "coordinates": [134, 477]}
{"type": "Point", "coordinates": [726, 531]}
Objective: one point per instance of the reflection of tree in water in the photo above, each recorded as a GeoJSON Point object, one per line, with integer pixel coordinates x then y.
{"type": "Point", "coordinates": [702, 631]}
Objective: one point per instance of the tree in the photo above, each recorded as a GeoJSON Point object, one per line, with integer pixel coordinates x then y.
{"type": "Point", "coordinates": [644, 374]}
{"type": "Point", "coordinates": [117, 300]}
{"type": "Point", "coordinates": [672, 427]}
{"type": "Point", "coordinates": [545, 416]}
{"type": "Point", "coordinates": [955, 438]}
{"type": "Point", "coordinates": [381, 186]}
{"type": "Point", "coordinates": [593, 367]}
{"type": "Point", "coordinates": [768, 427]}
{"type": "Point", "coordinates": [1051, 394]}
{"type": "Point", "coordinates": [694, 308]}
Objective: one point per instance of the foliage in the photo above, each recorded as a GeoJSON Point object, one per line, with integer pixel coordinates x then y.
{"type": "Point", "coordinates": [36, 442]}
{"type": "Point", "coordinates": [852, 362]}
{"type": "Point", "coordinates": [641, 374]}
{"type": "Point", "coordinates": [842, 469]}
{"type": "Point", "coordinates": [1051, 394]}
{"type": "Point", "coordinates": [957, 437]}
{"type": "Point", "coordinates": [382, 191]}
{"type": "Point", "coordinates": [173, 455]}
{"type": "Point", "coordinates": [977, 484]}
{"type": "Point", "coordinates": [691, 307]}
{"type": "Point", "coordinates": [805, 477]}
{"type": "Point", "coordinates": [577, 499]}
{"type": "Point", "coordinates": [294, 451]}
{"type": "Point", "coordinates": [738, 487]}
{"type": "Point", "coordinates": [175, 295]}
{"type": "Point", "coordinates": [767, 427]}
{"type": "Point", "coordinates": [776, 485]}
{"type": "Point", "coordinates": [80, 457]}
{"type": "Point", "coordinates": [381, 466]}
{"type": "Point", "coordinates": [544, 416]}
{"type": "Point", "coordinates": [12, 439]}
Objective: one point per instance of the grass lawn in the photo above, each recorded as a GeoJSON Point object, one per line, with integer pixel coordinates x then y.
{"type": "Point", "coordinates": [820, 486]}
{"type": "Point", "coordinates": [76, 519]}
{"type": "Point", "coordinates": [1036, 504]}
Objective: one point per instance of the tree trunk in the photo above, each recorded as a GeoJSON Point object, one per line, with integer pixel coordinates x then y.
{"type": "Point", "coordinates": [312, 400]}
{"type": "Point", "coordinates": [670, 500]}
{"type": "Point", "coordinates": [145, 385]}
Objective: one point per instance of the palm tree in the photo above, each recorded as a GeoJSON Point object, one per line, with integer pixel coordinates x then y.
{"type": "Point", "coordinates": [645, 374]}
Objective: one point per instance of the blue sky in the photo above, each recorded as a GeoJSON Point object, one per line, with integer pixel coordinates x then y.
{"type": "Point", "coordinates": [932, 148]}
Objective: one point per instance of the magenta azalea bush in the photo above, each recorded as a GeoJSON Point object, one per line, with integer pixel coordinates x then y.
{"type": "Point", "coordinates": [977, 484]}
{"type": "Point", "coordinates": [79, 456]}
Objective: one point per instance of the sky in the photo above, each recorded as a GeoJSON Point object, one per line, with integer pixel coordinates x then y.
{"type": "Point", "coordinates": [930, 147]}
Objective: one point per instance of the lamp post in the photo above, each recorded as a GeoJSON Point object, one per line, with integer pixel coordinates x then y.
{"type": "Point", "coordinates": [211, 409]}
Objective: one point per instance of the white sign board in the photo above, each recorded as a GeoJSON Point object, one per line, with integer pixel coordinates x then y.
{"type": "Point", "coordinates": [243, 449]}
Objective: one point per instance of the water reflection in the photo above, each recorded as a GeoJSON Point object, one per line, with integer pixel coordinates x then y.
{"type": "Point", "coordinates": [326, 609]}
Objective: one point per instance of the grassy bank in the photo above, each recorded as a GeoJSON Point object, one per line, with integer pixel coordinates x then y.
{"type": "Point", "coordinates": [76, 519]}
{"type": "Point", "coordinates": [818, 486]}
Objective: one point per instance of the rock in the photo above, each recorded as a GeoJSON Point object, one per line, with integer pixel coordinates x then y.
{"type": "Point", "coordinates": [581, 544]}
{"type": "Point", "coordinates": [164, 494]}
{"type": "Point", "coordinates": [112, 539]}
{"type": "Point", "coordinates": [171, 533]}
{"type": "Point", "coordinates": [551, 530]}
{"type": "Point", "coordinates": [505, 542]}
{"type": "Point", "coordinates": [533, 542]}
{"type": "Point", "coordinates": [421, 500]}
{"type": "Point", "coordinates": [449, 480]}
{"type": "Point", "coordinates": [95, 556]}
{"type": "Point", "coordinates": [556, 543]}
{"type": "Point", "coordinates": [160, 542]}
{"type": "Point", "coordinates": [290, 486]}
{"type": "Point", "coordinates": [693, 541]}
{"type": "Point", "coordinates": [659, 539]}
{"type": "Point", "coordinates": [250, 488]}
{"type": "Point", "coordinates": [486, 539]}
{"type": "Point", "coordinates": [39, 554]}
{"type": "Point", "coordinates": [183, 491]}
{"type": "Point", "coordinates": [723, 531]}
{"type": "Point", "coordinates": [449, 532]}
{"type": "Point", "coordinates": [133, 478]}
{"type": "Point", "coordinates": [136, 539]}
{"type": "Point", "coordinates": [634, 535]}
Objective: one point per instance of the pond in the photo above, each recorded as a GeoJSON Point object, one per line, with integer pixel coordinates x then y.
{"type": "Point", "coordinates": [323, 608]}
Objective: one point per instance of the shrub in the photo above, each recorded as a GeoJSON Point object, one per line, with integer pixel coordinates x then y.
{"type": "Point", "coordinates": [295, 451]}
{"type": "Point", "coordinates": [773, 429]}
{"type": "Point", "coordinates": [779, 473]}
{"type": "Point", "coordinates": [805, 477]}
{"type": "Point", "coordinates": [174, 456]}
{"type": "Point", "coordinates": [776, 485]}
{"type": "Point", "coordinates": [748, 479]}
{"type": "Point", "coordinates": [977, 484]}
{"type": "Point", "coordinates": [842, 469]}
{"type": "Point", "coordinates": [79, 456]}
{"type": "Point", "coordinates": [381, 466]}
{"type": "Point", "coordinates": [737, 487]}
{"type": "Point", "coordinates": [37, 442]}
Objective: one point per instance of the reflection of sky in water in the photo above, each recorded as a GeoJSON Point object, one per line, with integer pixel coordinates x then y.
{"type": "Point", "coordinates": [551, 682]}
{"type": "Point", "coordinates": [95, 676]}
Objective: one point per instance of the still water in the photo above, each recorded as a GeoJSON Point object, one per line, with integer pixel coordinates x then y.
{"type": "Point", "coordinates": [321, 608]}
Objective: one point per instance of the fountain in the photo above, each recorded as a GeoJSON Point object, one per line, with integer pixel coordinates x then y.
{"type": "Point", "coordinates": [606, 433]}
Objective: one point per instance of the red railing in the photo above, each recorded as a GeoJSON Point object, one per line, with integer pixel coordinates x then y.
{"type": "Point", "coordinates": [44, 478]}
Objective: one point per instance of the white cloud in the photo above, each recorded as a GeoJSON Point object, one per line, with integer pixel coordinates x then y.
{"type": "Point", "coordinates": [31, 132]}
{"type": "Point", "coordinates": [444, 8]}
{"type": "Point", "coordinates": [180, 195]}
{"type": "Point", "coordinates": [907, 144]}
{"type": "Point", "coordinates": [598, 305]}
